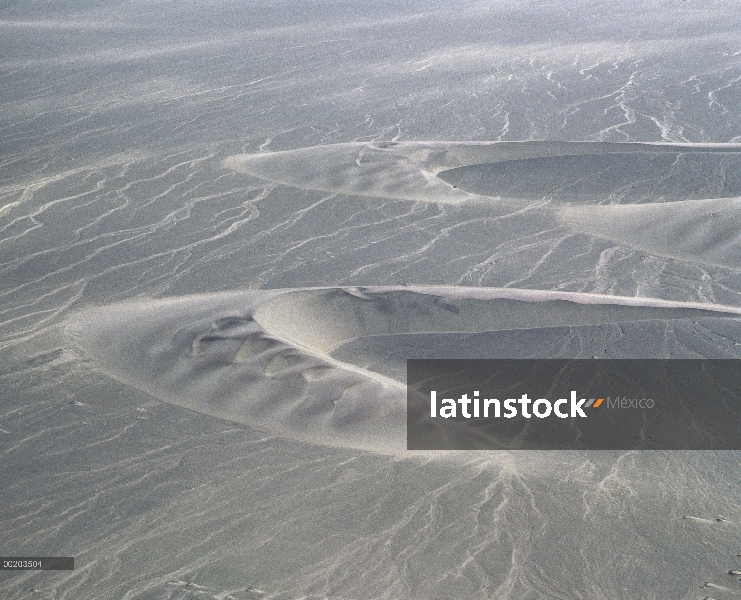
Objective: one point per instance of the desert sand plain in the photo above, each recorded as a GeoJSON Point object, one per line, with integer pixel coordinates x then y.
{"type": "Point", "coordinates": [224, 226]}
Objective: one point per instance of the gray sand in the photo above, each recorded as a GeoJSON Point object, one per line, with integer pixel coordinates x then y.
{"type": "Point", "coordinates": [224, 226]}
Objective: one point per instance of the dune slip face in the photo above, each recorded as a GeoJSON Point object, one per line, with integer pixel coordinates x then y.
{"type": "Point", "coordinates": [678, 201]}
{"type": "Point", "coordinates": [326, 365]}
{"type": "Point", "coordinates": [228, 224]}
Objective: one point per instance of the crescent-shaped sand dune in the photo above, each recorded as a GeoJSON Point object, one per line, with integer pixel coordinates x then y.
{"type": "Point", "coordinates": [624, 192]}
{"type": "Point", "coordinates": [227, 225]}
{"type": "Point", "coordinates": [327, 364]}
{"type": "Point", "coordinates": [408, 170]}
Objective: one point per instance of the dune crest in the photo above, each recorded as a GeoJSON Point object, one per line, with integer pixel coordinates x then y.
{"type": "Point", "coordinates": [700, 230]}
{"type": "Point", "coordinates": [408, 170]}
{"type": "Point", "coordinates": [271, 359]}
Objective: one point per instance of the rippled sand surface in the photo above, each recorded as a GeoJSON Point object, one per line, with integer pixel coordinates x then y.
{"type": "Point", "coordinates": [224, 227]}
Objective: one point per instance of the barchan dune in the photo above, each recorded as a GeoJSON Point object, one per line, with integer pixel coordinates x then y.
{"type": "Point", "coordinates": [327, 365]}
{"type": "Point", "coordinates": [688, 193]}
{"type": "Point", "coordinates": [278, 360]}
{"type": "Point", "coordinates": [212, 280]}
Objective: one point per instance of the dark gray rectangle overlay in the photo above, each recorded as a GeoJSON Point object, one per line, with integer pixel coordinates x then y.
{"type": "Point", "coordinates": [37, 563]}
{"type": "Point", "coordinates": [560, 404]}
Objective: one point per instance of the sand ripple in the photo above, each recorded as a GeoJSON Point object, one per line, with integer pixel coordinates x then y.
{"type": "Point", "coordinates": [278, 360]}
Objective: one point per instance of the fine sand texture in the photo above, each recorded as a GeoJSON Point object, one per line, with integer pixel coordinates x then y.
{"type": "Point", "coordinates": [599, 182]}
{"type": "Point", "coordinates": [328, 365]}
{"type": "Point", "coordinates": [225, 226]}
{"type": "Point", "coordinates": [408, 169]}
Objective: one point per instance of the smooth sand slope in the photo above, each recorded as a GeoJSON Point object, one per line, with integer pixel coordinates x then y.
{"type": "Point", "coordinates": [598, 182]}
{"type": "Point", "coordinates": [249, 445]}
{"type": "Point", "coordinates": [327, 364]}
{"type": "Point", "coordinates": [702, 231]}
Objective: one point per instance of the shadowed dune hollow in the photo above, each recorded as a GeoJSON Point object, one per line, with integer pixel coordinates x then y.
{"type": "Point", "coordinates": [327, 365]}
{"type": "Point", "coordinates": [676, 201]}
{"type": "Point", "coordinates": [605, 178]}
